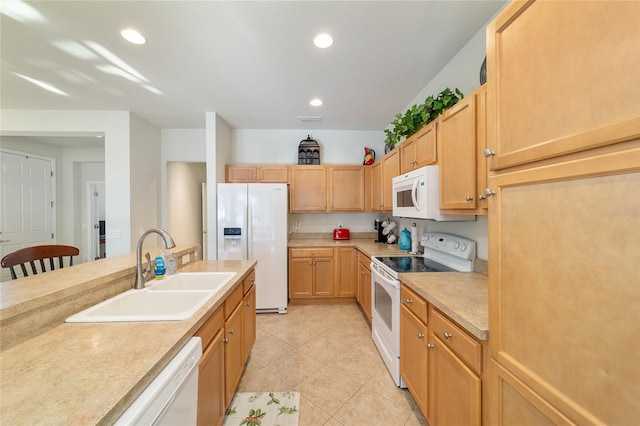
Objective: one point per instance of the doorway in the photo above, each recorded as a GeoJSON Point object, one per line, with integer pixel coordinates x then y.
{"type": "Point", "coordinates": [27, 213]}
{"type": "Point", "coordinates": [184, 201]}
{"type": "Point", "coordinates": [96, 243]}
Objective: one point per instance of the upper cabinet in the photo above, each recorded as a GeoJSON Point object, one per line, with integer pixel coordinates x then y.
{"type": "Point", "coordinates": [419, 149]}
{"type": "Point", "coordinates": [461, 141]}
{"type": "Point", "coordinates": [251, 173]}
{"type": "Point", "coordinates": [308, 190]}
{"type": "Point", "coordinates": [346, 188]}
{"type": "Point", "coordinates": [565, 76]}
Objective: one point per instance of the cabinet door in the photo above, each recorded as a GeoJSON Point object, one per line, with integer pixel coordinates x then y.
{"type": "Point", "coordinates": [233, 356]}
{"type": "Point", "coordinates": [211, 386]}
{"type": "Point", "coordinates": [308, 188]}
{"type": "Point", "coordinates": [390, 169]}
{"type": "Point", "coordinates": [377, 188]}
{"type": "Point", "coordinates": [346, 188]}
{"type": "Point", "coordinates": [273, 174]}
{"type": "Point", "coordinates": [582, 276]}
{"type": "Point", "coordinates": [241, 173]}
{"type": "Point", "coordinates": [548, 94]}
{"type": "Point", "coordinates": [407, 155]}
{"type": "Point", "coordinates": [457, 134]}
{"type": "Point", "coordinates": [481, 145]}
{"type": "Point", "coordinates": [455, 390]}
{"type": "Point", "coordinates": [249, 322]}
{"type": "Point", "coordinates": [364, 290]}
{"type": "Point", "coordinates": [347, 271]}
{"type": "Point", "coordinates": [301, 277]}
{"type": "Point", "coordinates": [413, 362]}
{"type": "Point", "coordinates": [425, 145]}
{"type": "Point", "coordinates": [323, 276]}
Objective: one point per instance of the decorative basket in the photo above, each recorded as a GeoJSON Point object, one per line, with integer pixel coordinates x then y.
{"type": "Point", "coordinates": [308, 151]}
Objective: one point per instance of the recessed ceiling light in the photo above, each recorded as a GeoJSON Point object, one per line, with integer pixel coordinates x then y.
{"type": "Point", "coordinates": [323, 40]}
{"type": "Point", "coordinates": [133, 36]}
{"type": "Point", "coordinates": [315, 102]}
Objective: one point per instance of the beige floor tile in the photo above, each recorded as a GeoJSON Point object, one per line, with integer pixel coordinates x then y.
{"type": "Point", "coordinates": [311, 414]}
{"type": "Point", "coordinates": [355, 361]}
{"type": "Point", "coordinates": [368, 408]}
{"type": "Point", "coordinates": [256, 378]}
{"type": "Point", "coordinates": [295, 334]}
{"type": "Point", "coordinates": [323, 348]}
{"type": "Point", "coordinates": [294, 367]}
{"type": "Point", "coordinates": [331, 387]}
{"type": "Point", "coordinates": [416, 419]}
{"type": "Point", "coordinates": [382, 384]}
{"type": "Point", "coordinates": [268, 348]}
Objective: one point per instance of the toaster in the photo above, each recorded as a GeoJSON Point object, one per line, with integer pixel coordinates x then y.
{"type": "Point", "coordinates": [340, 234]}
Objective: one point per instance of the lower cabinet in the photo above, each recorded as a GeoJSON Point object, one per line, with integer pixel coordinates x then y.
{"type": "Point", "coordinates": [442, 364]}
{"type": "Point", "coordinates": [364, 285]}
{"type": "Point", "coordinates": [227, 338]}
{"type": "Point", "coordinates": [211, 403]}
{"type": "Point", "coordinates": [319, 274]}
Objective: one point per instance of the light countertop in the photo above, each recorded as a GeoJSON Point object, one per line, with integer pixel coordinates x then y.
{"type": "Point", "coordinates": [84, 374]}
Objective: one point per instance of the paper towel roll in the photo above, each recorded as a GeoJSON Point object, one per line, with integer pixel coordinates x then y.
{"type": "Point", "coordinates": [414, 238]}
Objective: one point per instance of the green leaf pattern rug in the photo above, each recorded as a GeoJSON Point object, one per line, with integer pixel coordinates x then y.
{"type": "Point", "coordinates": [263, 409]}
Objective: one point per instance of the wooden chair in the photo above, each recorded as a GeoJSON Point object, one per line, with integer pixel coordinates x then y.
{"type": "Point", "coordinates": [38, 253]}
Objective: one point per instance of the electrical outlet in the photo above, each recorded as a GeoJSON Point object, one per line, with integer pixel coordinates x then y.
{"type": "Point", "coordinates": [298, 225]}
{"type": "Point", "coordinates": [186, 259]}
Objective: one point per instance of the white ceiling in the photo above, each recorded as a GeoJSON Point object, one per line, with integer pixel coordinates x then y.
{"type": "Point", "coordinates": [252, 62]}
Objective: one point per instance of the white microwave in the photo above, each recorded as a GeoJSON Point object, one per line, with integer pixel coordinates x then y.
{"type": "Point", "coordinates": [416, 195]}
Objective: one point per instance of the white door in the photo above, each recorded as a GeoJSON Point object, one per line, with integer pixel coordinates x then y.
{"type": "Point", "coordinates": [26, 210]}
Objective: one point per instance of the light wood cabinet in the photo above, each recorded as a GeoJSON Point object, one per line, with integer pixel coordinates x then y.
{"type": "Point", "coordinates": [457, 146]}
{"type": "Point", "coordinates": [419, 149]}
{"type": "Point", "coordinates": [346, 188]}
{"type": "Point", "coordinates": [249, 320]}
{"type": "Point", "coordinates": [233, 352]}
{"type": "Point", "coordinates": [253, 173]}
{"type": "Point", "coordinates": [390, 169]}
{"type": "Point", "coordinates": [308, 190]}
{"type": "Point", "coordinates": [414, 360]}
{"type": "Point", "coordinates": [572, 169]}
{"type": "Point", "coordinates": [347, 270]}
{"type": "Point", "coordinates": [211, 386]}
{"type": "Point", "coordinates": [550, 95]}
{"type": "Point", "coordinates": [311, 273]}
{"type": "Point", "coordinates": [376, 188]}
{"type": "Point", "coordinates": [441, 364]}
{"type": "Point", "coordinates": [364, 285]}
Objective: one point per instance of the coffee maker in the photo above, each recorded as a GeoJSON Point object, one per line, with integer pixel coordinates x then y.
{"type": "Point", "coordinates": [377, 225]}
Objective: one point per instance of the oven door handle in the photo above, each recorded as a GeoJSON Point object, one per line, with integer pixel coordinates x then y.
{"type": "Point", "coordinates": [383, 276]}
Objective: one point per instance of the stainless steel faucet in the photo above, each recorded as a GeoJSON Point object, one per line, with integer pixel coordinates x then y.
{"type": "Point", "coordinates": [142, 276]}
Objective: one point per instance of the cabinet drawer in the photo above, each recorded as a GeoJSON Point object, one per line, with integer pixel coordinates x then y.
{"type": "Point", "coordinates": [311, 252]}
{"type": "Point", "coordinates": [232, 301]}
{"type": "Point", "coordinates": [414, 303]}
{"type": "Point", "coordinates": [248, 281]}
{"type": "Point", "coordinates": [466, 347]}
{"type": "Point", "coordinates": [364, 260]}
{"type": "Point", "coordinates": [210, 328]}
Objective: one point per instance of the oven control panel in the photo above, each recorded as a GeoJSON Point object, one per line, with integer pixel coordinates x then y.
{"type": "Point", "coordinates": [454, 245]}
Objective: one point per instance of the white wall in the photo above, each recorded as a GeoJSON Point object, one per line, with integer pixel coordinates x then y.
{"type": "Point", "coordinates": [280, 146]}
{"type": "Point", "coordinates": [145, 152]}
{"type": "Point", "coordinates": [115, 126]}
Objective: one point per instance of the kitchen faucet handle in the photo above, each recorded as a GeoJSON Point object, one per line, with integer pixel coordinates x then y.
{"type": "Point", "coordinates": [147, 268]}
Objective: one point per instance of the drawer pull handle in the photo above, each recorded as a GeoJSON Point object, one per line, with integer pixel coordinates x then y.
{"type": "Point", "coordinates": [248, 304]}
{"type": "Point", "coordinates": [408, 301]}
{"type": "Point", "coordinates": [447, 335]}
{"type": "Point", "coordinates": [231, 331]}
{"type": "Point", "coordinates": [225, 340]}
{"type": "Point", "coordinates": [420, 335]}
{"type": "Point", "coordinates": [430, 346]}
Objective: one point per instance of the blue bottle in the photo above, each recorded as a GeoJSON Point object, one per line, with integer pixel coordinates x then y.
{"type": "Point", "coordinates": [159, 267]}
{"type": "Point", "coordinates": [404, 243]}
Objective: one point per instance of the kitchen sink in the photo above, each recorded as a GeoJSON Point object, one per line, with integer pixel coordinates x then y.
{"type": "Point", "coordinates": [192, 281]}
{"type": "Point", "coordinates": [145, 305]}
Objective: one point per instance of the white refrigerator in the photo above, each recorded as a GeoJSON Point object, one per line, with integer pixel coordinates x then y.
{"type": "Point", "coordinates": [253, 224]}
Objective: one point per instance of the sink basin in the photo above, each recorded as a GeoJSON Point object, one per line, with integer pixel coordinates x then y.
{"type": "Point", "coordinates": [192, 281]}
{"type": "Point", "coordinates": [145, 305]}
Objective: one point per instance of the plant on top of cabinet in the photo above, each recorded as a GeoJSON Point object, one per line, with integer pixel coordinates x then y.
{"type": "Point", "coordinates": [405, 125]}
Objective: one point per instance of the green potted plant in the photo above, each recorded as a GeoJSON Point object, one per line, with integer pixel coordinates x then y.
{"type": "Point", "coordinates": [416, 117]}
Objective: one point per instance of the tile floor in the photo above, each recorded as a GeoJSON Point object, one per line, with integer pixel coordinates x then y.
{"type": "Point", "coordinates": [325, 352]}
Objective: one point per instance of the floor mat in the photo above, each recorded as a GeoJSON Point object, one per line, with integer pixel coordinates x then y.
{"type": "Point", "coordinates": [263, 409]}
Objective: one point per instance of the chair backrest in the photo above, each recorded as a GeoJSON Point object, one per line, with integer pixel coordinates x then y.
{"type": "Point", "coordinates": [31, 255]}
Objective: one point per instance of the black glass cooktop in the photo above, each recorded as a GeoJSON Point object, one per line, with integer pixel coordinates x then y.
{"type": "Point", "coordinates": [413, 264]}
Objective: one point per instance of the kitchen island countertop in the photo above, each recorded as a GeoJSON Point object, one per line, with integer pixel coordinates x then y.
{"type": "Point", "coordinates": [85, 374]}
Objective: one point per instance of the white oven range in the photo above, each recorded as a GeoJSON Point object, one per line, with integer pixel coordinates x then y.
{"type": "Point", "coordinates": [442, 253]}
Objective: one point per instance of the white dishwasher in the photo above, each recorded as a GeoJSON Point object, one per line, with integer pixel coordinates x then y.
{"type": "Point", "coordinates": [172, 397]}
